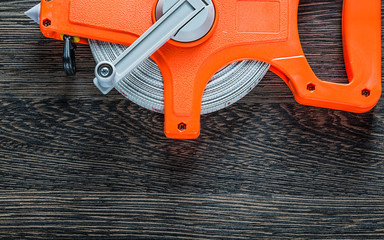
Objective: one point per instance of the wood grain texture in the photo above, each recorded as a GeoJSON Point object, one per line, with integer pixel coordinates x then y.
{"type": "Point", "coordinates": [53, 215]}
{"type": "Point", "coordinates": [75, 164]}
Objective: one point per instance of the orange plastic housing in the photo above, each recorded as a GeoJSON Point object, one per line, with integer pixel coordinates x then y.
{"type": "Point", "coordinates": [264, 30]}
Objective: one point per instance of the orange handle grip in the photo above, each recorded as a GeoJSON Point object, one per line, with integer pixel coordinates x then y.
{"type": "Point", "coordinates": [362, 39]}
{"type": "Point", "coordinates": [362, 53]}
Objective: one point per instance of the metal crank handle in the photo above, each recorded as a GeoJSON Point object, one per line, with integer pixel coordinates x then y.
{"type": "Point", "coordinates": [109, 74]}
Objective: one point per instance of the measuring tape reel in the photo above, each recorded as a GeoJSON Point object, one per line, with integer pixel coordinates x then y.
{"type": "Point", "coordinates": [144, 85]}
{"type": "Point", "coordinates": [210, 53]}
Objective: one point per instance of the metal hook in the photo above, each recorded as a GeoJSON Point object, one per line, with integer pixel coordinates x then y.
{"type": "Point", "coordinates": [69, 59]}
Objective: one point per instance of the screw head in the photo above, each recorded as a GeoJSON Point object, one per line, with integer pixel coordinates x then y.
{"type": "Point", "coordinates": [47, 23]}
{"type": "Point", "coordinates": [311, 87]}
{"type": "Point", "coordinates": [366, 92]}
{"type": "Point", "coordinates": [182, 127]}
{"type": "Point", "coordinates": [105, 70]}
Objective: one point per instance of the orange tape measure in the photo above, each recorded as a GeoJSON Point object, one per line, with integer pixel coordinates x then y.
{"type": "Point", "coordinates": [264, 30]}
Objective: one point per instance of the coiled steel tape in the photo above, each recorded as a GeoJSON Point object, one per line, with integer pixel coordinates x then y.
{"type": "Point", "coordinates": [144, 86]}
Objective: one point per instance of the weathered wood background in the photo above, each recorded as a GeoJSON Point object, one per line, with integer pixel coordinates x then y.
{"type": "Point", "coordinates": [75, 164]}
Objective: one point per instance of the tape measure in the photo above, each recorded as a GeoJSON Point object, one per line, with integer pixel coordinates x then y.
{"type": "Point", "coordinates": [210, 53]}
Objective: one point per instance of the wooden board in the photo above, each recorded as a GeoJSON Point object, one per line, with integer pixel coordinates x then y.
{"type": "Point", "coordinates": [75, 164]}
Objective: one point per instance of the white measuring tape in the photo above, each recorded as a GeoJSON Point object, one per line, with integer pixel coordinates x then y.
{"type": "Point", "coordinates": [144, 86]}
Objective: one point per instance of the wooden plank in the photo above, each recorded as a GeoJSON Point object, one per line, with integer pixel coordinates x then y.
{"type": "Point", "coordinates": [79, 215]}
{"type": "Point", "coordinates": [116, 145]}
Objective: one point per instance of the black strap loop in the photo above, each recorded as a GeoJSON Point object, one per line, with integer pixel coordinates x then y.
{"type": "Point", "coordinates": [69, 58]}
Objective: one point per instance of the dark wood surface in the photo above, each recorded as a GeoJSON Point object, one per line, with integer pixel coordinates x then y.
{"type": "Point", "coordinates": [75, 164]}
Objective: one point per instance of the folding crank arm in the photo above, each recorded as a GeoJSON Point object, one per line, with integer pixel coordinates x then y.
{"type": "Point", "coordinates": [109, 74]}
